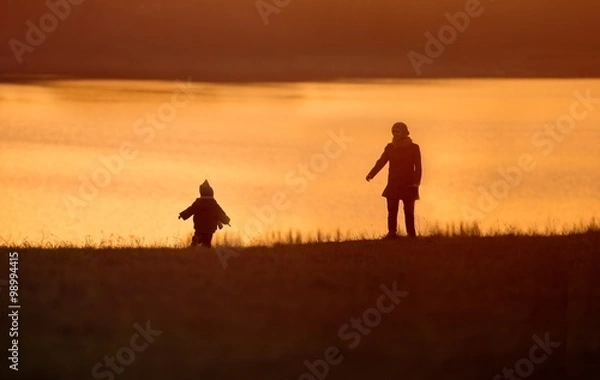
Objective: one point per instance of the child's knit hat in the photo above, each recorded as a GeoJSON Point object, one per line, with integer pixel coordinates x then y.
{"type": "Point", "coordinates": [206, 190]}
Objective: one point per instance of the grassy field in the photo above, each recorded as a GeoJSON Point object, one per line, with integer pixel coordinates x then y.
{"type": "Point", "coordinates": [472, 308]}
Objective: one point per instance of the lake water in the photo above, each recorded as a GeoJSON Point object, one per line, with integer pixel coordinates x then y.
{"type": "Point", "coordinates": [91, 159]}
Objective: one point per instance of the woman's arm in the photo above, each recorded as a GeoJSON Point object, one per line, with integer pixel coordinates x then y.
{"type": "Point", "coordinates": [418, 167]}
{"type": "Point", "coordinates": [385, 157]}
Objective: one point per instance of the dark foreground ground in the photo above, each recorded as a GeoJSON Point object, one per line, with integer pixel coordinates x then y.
{"type": "Point", "coordinates": [473, 308]}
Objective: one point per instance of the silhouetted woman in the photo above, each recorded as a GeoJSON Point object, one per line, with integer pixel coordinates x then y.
{"type": "Point", "coordinates": [404, 178]}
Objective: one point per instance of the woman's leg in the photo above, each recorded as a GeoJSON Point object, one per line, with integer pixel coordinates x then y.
{"type": "Point", "coordinates": [392, 206]}
{"type": "Point", "coordinates": [409, 217]}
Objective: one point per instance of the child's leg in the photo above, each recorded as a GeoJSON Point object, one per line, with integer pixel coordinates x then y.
{"type": "Point", "coordinates": [196, 239]}
{"type": "Point", "coordinates": [206, 240]}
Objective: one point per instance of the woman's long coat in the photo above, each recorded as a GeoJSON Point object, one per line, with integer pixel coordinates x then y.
{"type": "Point", "coordinates": [405, 170]}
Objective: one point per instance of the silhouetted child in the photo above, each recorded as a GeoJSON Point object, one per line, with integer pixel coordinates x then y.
{"type": "Point", "coordinates": [208, 216]}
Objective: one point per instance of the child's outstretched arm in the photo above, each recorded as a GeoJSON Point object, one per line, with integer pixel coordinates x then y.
{"type": "Point", "coordinates": [223, 218]}
{"type": "Point", "coordinates": [185, 214]}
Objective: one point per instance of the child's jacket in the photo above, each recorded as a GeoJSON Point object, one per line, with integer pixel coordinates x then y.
{"type": "Point", "coordinates": [207, 215]}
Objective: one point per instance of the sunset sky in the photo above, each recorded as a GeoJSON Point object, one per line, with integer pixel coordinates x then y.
{"type": "Point", "coordinates": [212, 39]}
